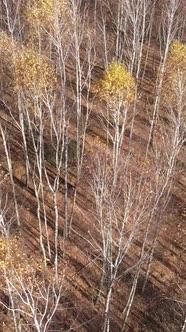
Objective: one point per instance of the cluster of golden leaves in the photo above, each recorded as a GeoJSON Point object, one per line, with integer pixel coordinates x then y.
{"type": "Point", "coordinates": [6, 45]}
{"type": "Point", "coordinates": [14, 260]}
{"type": "Point", "coordinates": [22, 270]}
{"type": "Point", "coordinates": [32, 72]}
{"type": "Point", "coordinates": [45, 13]}
{"type": "Point", "coordinates": [117, 85]}
{"type": "Point", "coordinates": [26, 69]}
{"type": "Point", "coordinates": [174, 85]}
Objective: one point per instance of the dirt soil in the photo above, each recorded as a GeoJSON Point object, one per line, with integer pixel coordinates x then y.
{"type": "Point", "coordinates": [160, 307]}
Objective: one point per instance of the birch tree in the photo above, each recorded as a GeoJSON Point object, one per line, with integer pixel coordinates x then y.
{"type": "Point", "coordinates": [33, 300]}
{"type": "Point", "coordinates": [169, 26]}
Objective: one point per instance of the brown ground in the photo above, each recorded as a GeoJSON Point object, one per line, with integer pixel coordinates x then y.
{"type": "Point", "coordinates": [154, 310]}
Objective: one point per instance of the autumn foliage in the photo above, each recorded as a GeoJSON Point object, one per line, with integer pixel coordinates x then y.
{"type": "Point", "coordinates": [32, 72]}
{"type": "Point", "coordinates": [174, 87]}
{"type": "Point", "coordinates": [117, 84]}
{"type": "Point", "coordinates": [26, 69]}
{"type": "Point", "coordinates": [45, 14]}
{"type": "Point", "coordinates": [15, 261]}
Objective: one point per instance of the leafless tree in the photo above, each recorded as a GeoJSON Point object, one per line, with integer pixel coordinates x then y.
{"type": "Point", "coordinates": [122, 208]}
{"type": "Point", "coordinates": [170, 24]}
{"type": "Point", "coordinates": [9, 162]}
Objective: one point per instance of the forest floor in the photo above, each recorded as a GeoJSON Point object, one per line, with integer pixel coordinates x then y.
{"type": "Point", "coordinates": [158, 307]}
